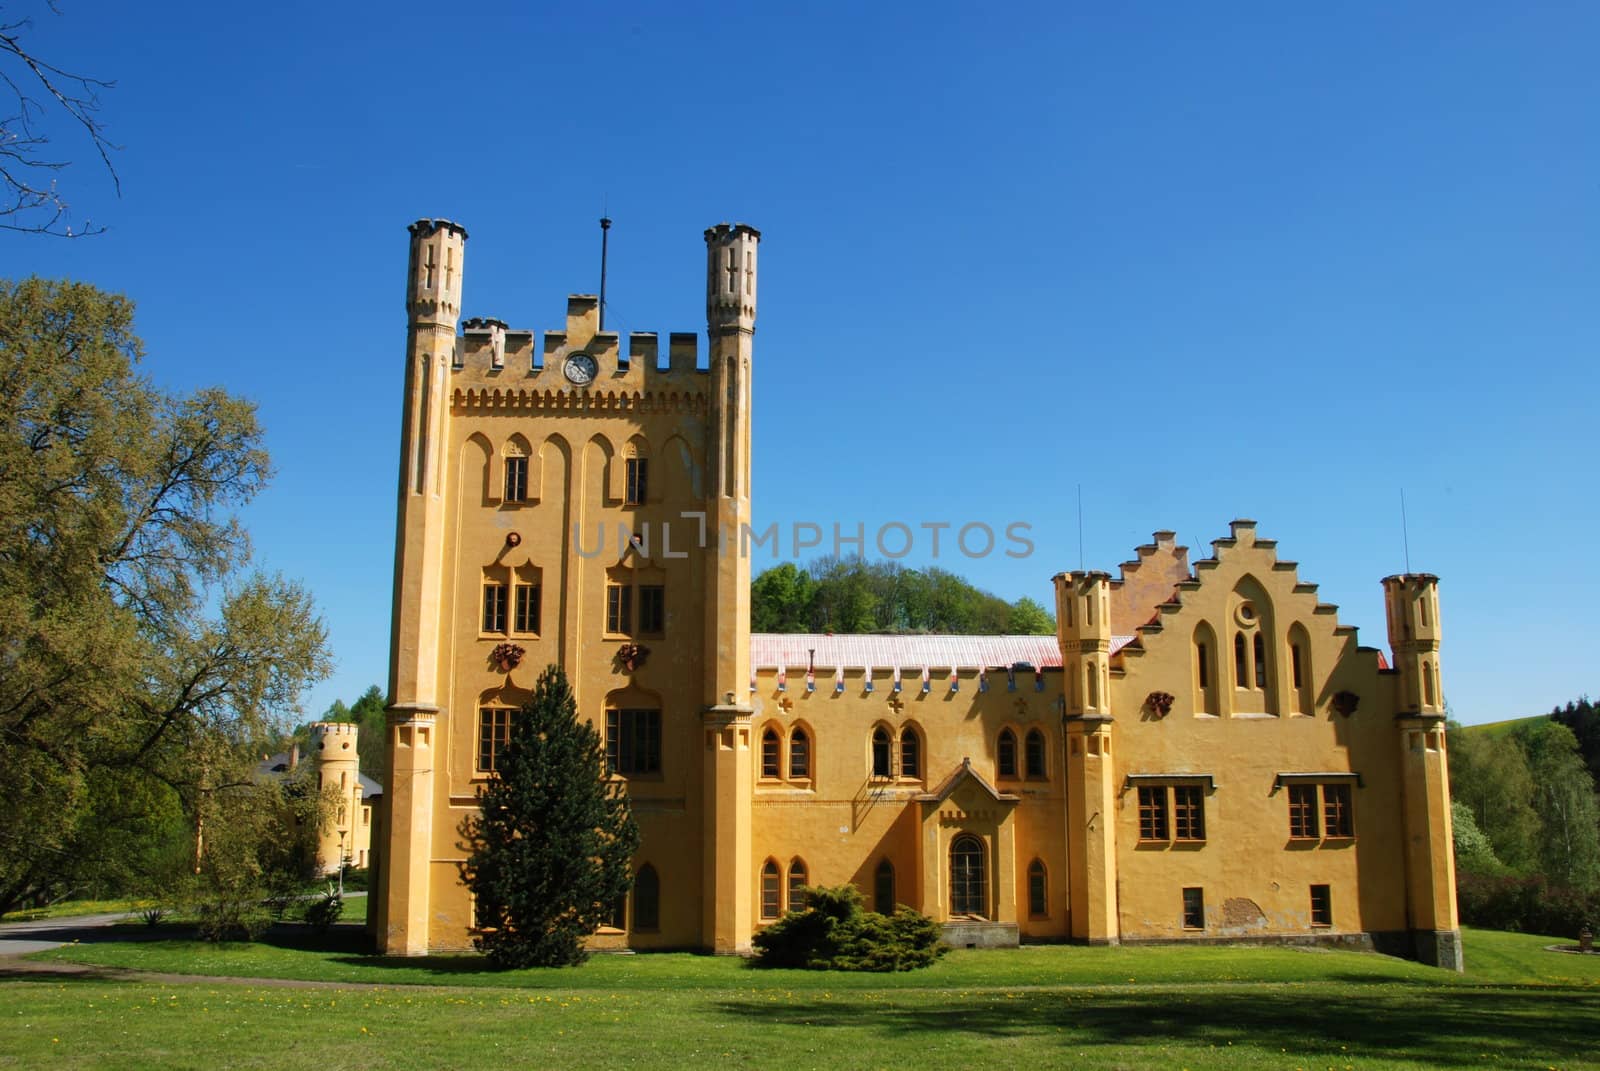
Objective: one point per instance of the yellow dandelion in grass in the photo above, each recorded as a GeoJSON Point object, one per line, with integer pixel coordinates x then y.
{"type": "Point", "coordinates": [364, 1030]}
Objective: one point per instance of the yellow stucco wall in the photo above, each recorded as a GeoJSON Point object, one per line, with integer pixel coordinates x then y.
{"type": "Point", "coordinates": [711, 819]}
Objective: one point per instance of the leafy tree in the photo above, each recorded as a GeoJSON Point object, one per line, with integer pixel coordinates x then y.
{"type": "Point", "coordinates": [549, 851]}
{"type": "Point", "coordinates": [1474, 852]}
{"type": "Point", "coordinates": [29, 198]}
{"type": "Point", "coordinates": [852, 595]}
{"type": "Point", "coordinates": [372, 720]}
{"type": "Point", "coordinates": [1564, 798]}
{"type": "Point", "coordinates": [1490, 775]}
{"type": "Point", "coordinates": [132, 637]}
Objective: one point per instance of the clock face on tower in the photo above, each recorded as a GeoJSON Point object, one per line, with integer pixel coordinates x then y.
{"type": "Point", "coordinates": [580, 369]}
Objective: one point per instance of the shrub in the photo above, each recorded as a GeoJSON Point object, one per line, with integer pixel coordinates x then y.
{"type": "Point", "coordinates": [1526, 905]}
{"type": "Point", "coordinates": [324, 911]}
{"type": "Point", "coordinates": [833, 932]}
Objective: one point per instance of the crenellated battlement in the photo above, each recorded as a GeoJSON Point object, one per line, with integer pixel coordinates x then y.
{"type": "Point", "coordinates": [490, 355]}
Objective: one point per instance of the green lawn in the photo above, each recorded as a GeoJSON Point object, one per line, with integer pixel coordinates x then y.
{"type": "Point", "coordinates": [73, 908]}
{"type": "Point", "coordinates": [1198, 1007]}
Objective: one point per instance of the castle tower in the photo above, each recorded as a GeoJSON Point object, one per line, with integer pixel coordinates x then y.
{"type": "Point", "coordinates": [433, 305]}
{"type": "Point", "coordinates": [1411, 602]}
{"type": "Point", "coordinates": [333, 746]}
{"type": "Point", "coordinates": [730, 322]}
{"type": "Point", "coordinates": [1083, 630]}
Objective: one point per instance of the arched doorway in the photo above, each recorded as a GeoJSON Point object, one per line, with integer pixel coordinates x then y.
{"type": "Point", "coordinates": [969, 888]}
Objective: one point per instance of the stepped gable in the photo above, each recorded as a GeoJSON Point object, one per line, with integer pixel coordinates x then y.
{"type": "Point", "coordinates": [1147, 581]}
{"type": "Point", "coordinates": [1241, 553]}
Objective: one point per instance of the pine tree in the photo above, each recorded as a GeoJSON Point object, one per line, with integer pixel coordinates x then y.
{"type": "Point", "coordinates": [551, 847]}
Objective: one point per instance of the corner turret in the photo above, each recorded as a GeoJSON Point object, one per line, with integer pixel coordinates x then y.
{"type": "Point", "coordinates": [1411, 605]}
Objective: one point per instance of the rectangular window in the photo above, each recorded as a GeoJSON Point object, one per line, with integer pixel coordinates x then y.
{"type": "Point", "coordinates": [1194, 908]}
{"type": "Point", "coordinates": [1153, 812]}
{"type": "Point", "coordinates": [1303, 812]}
{"type": "Point", "coordinates": [516, 479]}
{"type": "Point", "coordinates": [638, 481]}
{"type": "Point", "coordinates": [619, 608]}
{"type": "Point", "coordinates": [525, 610]}
{"type": "Point", "coordinates": [1188, 812]}
{"type": "Point", "coordinates": [494, 606]}
{"type": "Point", "coordinates": [633, 741]}
{"type": "Point", "coordinates": [1337, 820]}
{"type": "Point", "coordinates": [494, 729]}
{"type": "Point", "coordinates": [652, 609]}
{"type": "Point", "coordinates": [1321, 906]}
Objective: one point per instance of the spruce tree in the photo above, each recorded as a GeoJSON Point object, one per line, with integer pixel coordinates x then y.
{"type": "Point", "coordinates": [550, 849]}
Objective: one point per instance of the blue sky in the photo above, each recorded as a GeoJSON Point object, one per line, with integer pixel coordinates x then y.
{"type": "Point", "coordinates": [1206, 261]}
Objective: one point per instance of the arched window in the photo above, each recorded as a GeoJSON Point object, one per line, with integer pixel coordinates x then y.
{"type": "Point", "coordinates": [619, 913]}
{"type": "Point", "coordinates": [1094, 688]}
{"type": "Point", "coordinates": [799, 754]}
{"type": "Point", "coordinates": [1033, 753]}
{"type": "Point", "coordinates": [1261, 660]}
{"type": "Point", "coordinates": [1038, 890]}
{"type": "Point", "coordinates": [769, 754]}
{"type": "Point", "coordinates": [1006, 754]}
{"type": "Point", "coordinates": [1241, 669]}
{"type": "Point", "coordinates": [883, 889]}
{"type": "Point", "coordinates": [881, 766]}
{"type": "Point", "coordinates": [910, 753]}
{"type": "Point", "coordinates": [647, 899]}
{"type": "Point", "coordinates": [1427, 684]}
{"type": "Point", "coordinates": [1206, 651]}
{"type": "Point", "coordinates": [969, 892]}
{"type": "Point", "coordinates": [797, 884]}
{"type": "Point", "coordinates": [771, 892]}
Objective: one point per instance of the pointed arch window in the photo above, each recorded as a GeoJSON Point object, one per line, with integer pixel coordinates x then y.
{"type": "Point", "coordinates": [969, 887]}
{"type": "Point", "coordinates": [797, 884]}
{"type": "Point", "coordinates": [1260, 646]}
{"type": "Point", "coordinates": [910, 753]}
{"type": "Point", "coordinates": [1241, 667]}
{"type": "Point", "coordinates": [882, 748]}
{"type": "Point", "coordinates": [770, 747]}
{"type": "Point", "coordinates": [1033, 754]}
{"type": "Point", "coordinates": [1006, 754]}
{"type": "Point", "coordinates": [771, 890]}
{"type": "Point", "coordinates": [883, 888]}
{"type": "Point", "coordinates": [1427, 684]}
{"type": "Point", "coordinates": [647, 899]}
{"type": "Point", "coordinates": [799, 755]}
{"type": "Point", "coordinates": [1038, 890]}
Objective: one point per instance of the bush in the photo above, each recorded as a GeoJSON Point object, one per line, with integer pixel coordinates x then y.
{"type": "Point", "coordinates": [1525, 905]}
{"type": "Point", "coordinates": [325, 911]}
{"type": "Point", "coordinates": [833, 932]}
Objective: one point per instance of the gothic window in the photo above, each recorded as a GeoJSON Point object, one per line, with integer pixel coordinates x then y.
{"type": "Point", "coordinates": [1006, 754]}
{"type": "Point", "coordinates": [1038, 899]}
{"type": "Point", "coordinates": [969, 892]}
{"type": "Point", "coordinates": [910, 753]}
{"type": "Point", "coordinates": [883, 888]}
{"type": "Point", "coordinates": [647, 899]}
{"type": "Point", "coordinates": [1241, 675]}
{"type": "Point", "coordinates": [881, 748]}
{"type": "Point", "coordinates": [1260, 646]}
{"type": "Point", "coordinates": [799, 755]}
{"type": "Point", "coordinates": [770, 746]}
{"type": "Point", "coordinates": [1033, 753]}
{"type": "Point", "coordinates": [771, 891]}
{"type": "Point", "coordinates": [797, 885]}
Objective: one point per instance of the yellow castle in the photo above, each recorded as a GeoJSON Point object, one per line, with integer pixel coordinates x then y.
{"type": "Point", "coordinates": [1202, 752]}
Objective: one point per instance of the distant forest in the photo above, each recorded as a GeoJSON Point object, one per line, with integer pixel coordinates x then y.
{"type": "Point", "coordinates": [852, 595]}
